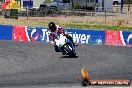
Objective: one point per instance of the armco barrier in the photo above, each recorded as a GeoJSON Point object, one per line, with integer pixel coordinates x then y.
{"type": "Point", "coordinates": [126, 38]}
{"type": "Point", "coordinates": [23, 33]}
{"type": "Point", "coordinates": [5, 32]}
{"type": "Point", "coordinates": [37, 34]}
{"type": "Point", "coordinates": [87, 36]}
{"type": "Point", "coordinates": [118, 38]}
{"type": "Point", "coordinates": [113, 38]}
{"type": "Point", "coordinates": [80, 36]}
{"type": "Point", "coordinates": [40, 34]}
{"type": "Point", "coordinates": [19, 33]}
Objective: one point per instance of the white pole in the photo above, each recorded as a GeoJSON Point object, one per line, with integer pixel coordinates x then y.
{"type": "Point", "coordinates": [127, 17]}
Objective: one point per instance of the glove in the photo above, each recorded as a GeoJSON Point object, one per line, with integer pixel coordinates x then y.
{"type": "Point", "coordinates": [52, 42]}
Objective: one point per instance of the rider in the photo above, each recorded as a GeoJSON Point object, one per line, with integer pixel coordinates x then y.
{"type": "Point", "coordinates": [56, 30]}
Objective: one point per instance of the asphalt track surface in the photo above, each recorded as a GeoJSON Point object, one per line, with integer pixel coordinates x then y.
{"type": "Point", "coordinates": [37, 64]}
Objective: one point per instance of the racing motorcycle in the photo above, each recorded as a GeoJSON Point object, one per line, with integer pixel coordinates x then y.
{"type": "Point", "coordinates": [65, 46]}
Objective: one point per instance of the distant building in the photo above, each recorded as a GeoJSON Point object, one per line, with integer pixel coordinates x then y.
{"type": "Point", "coordinates": [36, 3]}
{"type": "Point", "coordinates": [107, 3]}
{"type": "Point", "coordinates": [102, 3]}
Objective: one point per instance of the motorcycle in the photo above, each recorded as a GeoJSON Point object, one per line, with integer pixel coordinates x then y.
{"type": "Point", "coordinates": [65, 46]}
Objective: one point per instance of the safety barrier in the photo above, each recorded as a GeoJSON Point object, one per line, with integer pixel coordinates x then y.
{"type": "Point", "coordinates": [5, 32]}
{"type": "Point", "coordinates": [118, 38]}
{"type": "Point", "coordinates": [33, 34]}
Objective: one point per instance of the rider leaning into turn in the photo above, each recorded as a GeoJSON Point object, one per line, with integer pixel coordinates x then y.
{"type": "Point", "coordinates": [56, 30]}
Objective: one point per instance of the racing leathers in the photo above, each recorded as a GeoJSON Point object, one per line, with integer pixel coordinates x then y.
{"type": "Point", "coordinates": [55, 35]}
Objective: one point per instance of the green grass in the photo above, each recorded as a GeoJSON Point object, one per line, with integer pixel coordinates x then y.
{"type": "Point", "coordinates": [96, 26]}
{"type": "Point", "coordinates": [85, 26]}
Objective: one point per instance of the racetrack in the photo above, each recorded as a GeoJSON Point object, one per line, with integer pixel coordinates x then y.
{"type": "Point", "coordinates": [31, 64]}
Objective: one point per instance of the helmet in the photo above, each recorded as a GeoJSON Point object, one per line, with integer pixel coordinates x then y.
{"type": "Point", "coordinates": [52, 26]}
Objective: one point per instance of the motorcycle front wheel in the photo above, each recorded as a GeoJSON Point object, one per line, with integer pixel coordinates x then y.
{"type": "Point", "coordinates": [70, 51]}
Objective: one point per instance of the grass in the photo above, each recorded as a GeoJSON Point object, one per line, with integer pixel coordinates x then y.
{"type": "Point", "coordinates": [78, 22]}
{"type": "Point", "coordinates": [100, 27]}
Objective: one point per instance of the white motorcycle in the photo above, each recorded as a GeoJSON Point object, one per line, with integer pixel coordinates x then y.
{"type": "Point", "coordinates": [65, 46]}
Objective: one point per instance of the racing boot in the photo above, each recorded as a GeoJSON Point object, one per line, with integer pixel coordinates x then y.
{"type": "Point", "coordinates": [75, 44]}
{"type": "Point", "coordinates": [56, 48]}
{"type": "Point", "coordinates": [71, 39]}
